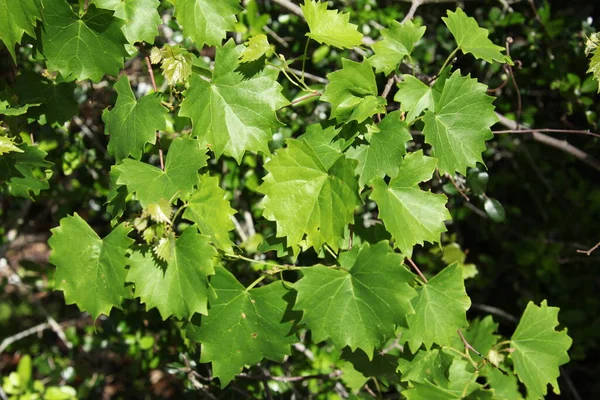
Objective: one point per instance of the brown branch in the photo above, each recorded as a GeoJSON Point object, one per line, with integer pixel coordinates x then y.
{"type": "Point", "coordinates": [467, 344]}
{"type": "Point", "coordinates": [332, 375]}
{"type": "Point", "coordinates": [160, 150]}
{"type": "Point", "coordinates": [413, 8]}
{"type": "Point", "coordinates": [509, 70]}
{"type": "Point", "coordinates": [548, 130]}
{"type": "Point", "coordinates": [414, 266]}
{"type": "Point", "coordinates": [462, 193]}
{"type": "Point", "coordinates": [33, 330]}
{"type": "Point", "coordinates": [290, 6]}
{"type": "Point", "coordinates": [552, 142]}
{"type": "Point", "coordinates": [590, 251]}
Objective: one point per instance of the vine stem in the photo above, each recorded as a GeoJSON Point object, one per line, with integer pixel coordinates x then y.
{"type": "Point", "coordinates": [304, 57]}
{"type": "Point", "coordinates": [160, 150]}
{"type": "Point", "coordinates": [467, 344]}
{"type": "Point", "coordinates": [546, 130]}
{"type": "Point", "coordinates": [308, 96]}
{"type": "Point", "coordinates": [590, 251]}
{"type": "Point", "coordinates": [462, 193]}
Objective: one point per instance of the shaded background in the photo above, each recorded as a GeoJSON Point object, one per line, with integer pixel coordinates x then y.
{"type": "Point", "coordinates": [551, 201]}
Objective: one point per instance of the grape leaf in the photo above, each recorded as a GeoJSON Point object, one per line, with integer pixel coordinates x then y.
{"type": "Point", "coordinates": [414, 96]}
{"type": "Point", "coordinates": [327, 142]}
{"type": "Point", "coordinates": [233, 113]}
{"type": "Point", "coordinates": [256, 47]}
{"type": "Point", "coordinates": [7, 145]}
{"type": "Point", "coordinates": [440, 309]}
{"type": "Point", "coordinates": [398, 42]}
{"type": "Point", "coordinates": [504, 383]}
{"type": "Point", "coordinates": [461, 384]}
{"type": "Point", "coordinates": [179, 288]}
{"type": "Point", "coordinates": [352, 92]}
{"type": "Point", "coordinates": [329, 26]}
{"type": "Point", "coordinates": [460, 125]}
{"type": "Point", "coordinates": [133, 123]}
{"type": "Point", "coordinates": [209, 210]}
{"type": "Point", "coordinates": [595, 65]}
{"type": "Point", "coordinates": [207, 21]}
{"type": "Point", "coordinates": [16, 18]}
{"type": "Point", "coordinates": [410, 214]}
{"type": "Point", "coordinates": [82, 47]}
{"type": "Point", "coordinates": [141, 18]}
{"type": "Point", "coordinates": [243, 326]}
{"type": "Point", "coordinates": [89, 270]}
{"type": "Point", "coordinates": [473, 39]}
{"type": "Point", "coordinates": [184, 159]}
{"type": "Point", "coordinates": [26, 173]}
{"type": "Point", "coordinates": [358, 368]}
{"type": "Point", "coordinates": [382, 155]}
{"type": "Point", "coordinates": [55, 98]}
{"type": "Point", "coordinates": [538, 349]}
{"type": "Point", "coordinates": [426, 366]}
{"type": "Point", "coordinates": [359, 304]}
{"type": "Point", "coordinates": [305, 198]}
{"type": "Point", "coordinates": [175, 62]}
{"type": "Point", "coordinates": [11, 111]}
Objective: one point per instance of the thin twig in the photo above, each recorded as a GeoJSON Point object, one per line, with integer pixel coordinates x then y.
{"type": "Point", "coordinates": [332, 375]}
{"type": "Point", "coordinates": [307, 75]}
{"type": "Point", "coordinates": [462, 193]}
{"type": "Point", "coordinates": [496, 311]}
{"type": "Point", "coordinates": [290, 6]}
{"type": "Point", "coordinates": [548, 130]}
{"type": "Point", "coordinates": [414, 266]}
{"type": "Point", "coordinates": [556, 143]}
{"type": "Point", "coordinates": [308, 96]}
{"type": "Point", "coordinates": [467, 344]}
{"type": "Point", "coordinates": [31, 331]}
{"type": "Point", "coordinates": [151, 73]}
{"type": "Point", "coordinates": [590, 251]}
{"type": "Point", "coordinates": [275, 36]}
{"type": "Point", "coordinates": [509, 70]}
{"type": "Point", "coordinates": [411, 12]}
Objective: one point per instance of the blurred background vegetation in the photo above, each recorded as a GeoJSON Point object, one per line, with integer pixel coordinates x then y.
{"type": "Point", "coordinates": [522, 249]}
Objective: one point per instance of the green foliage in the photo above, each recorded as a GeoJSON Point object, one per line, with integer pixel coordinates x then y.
{"type": "Point", "coordinates": [132, 123]}
{"type": "Point", "coordinates": [69, 41]}
{"type": "Point", "coordinates": [101, 261]}
{"type": "Point", "coordinates": [539, 349]}
{"type": "Point", "coordinates": [329, 26]}
{"type": "Point", "coordinates": [272, 221]}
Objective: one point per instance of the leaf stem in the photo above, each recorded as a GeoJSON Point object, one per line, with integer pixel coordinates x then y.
{"type": "Point", "coordinates": [447, 61]}
{"type": "Point", "coordinates": [160, 150]}
{"type": "Point", "coordinates": [256, 282]}
{"type": "Point", "coordinates": [414, 266]}
{"type": "Point", "coordinates": [304, 57]}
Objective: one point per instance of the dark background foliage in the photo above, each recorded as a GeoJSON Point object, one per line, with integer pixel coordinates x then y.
{"type": "Point", "coordinates": [551, 201]}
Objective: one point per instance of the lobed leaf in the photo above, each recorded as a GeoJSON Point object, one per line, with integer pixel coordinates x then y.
{"type": "Point", "coordinates": [398, 42]}
{"type": "Point", "coordinates": [329, 26]}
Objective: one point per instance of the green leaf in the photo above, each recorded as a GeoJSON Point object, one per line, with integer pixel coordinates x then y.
{"type": "Point", "coordinates": [207, 21]}
{"type": "Point", "coordinates": [133, 123]}
{"type": "Point", "coordinates": [398, 42]}
{"type": "Point", "coordinates": [209, 210]}
{"type": "Point", "coordinates": [150, 184]}
{"type": "Point", "coordinates": [460, 125]}
{"type": "Point", "coordinates": [504, 383]}
{"type": "Point", "coordinates": [440, 309]}
{"type": "Point", "coordinates": [176, 63]}
{"type": "Point", "coordinates": [89, 270]}
{"type": "Point", "coordinates": [243, 326]}
{"type": "Point", "coordinates": [56, 98]}
{"type": "Point", "coordinates": [538, 349]}
{"type": "Point", "coordinates": [233, 113]}
{"type": "Point", "coordinates": [595, 65]}
{"type": "Point", "coordinates": [362, 367]}
{"type": "Point", "coordinates": [305, 198]}
{"type": "Point", "coordinates": [414, 96]}
{"type": "Point", "coordinates": [461, 384]}
{"type": "Point", "coordinates": [322, 140]}
{"type": "Point", "coordinates": [7, 145]}
{"type": "Point", "coordinates": [494, 210]}
{"type": "Point", "coordinates": [481, 334]}
{"type": "Point", "coordinates": [329, 26]}
{"type": "Point", "coordinates": [410, 214]}
{"type": "Point", "coordinates": [178, 287]}
{"type": "Point", "coordinates": [16, 18]}
{"type": "Point", "coordinates": [8, 110]}
{"type": "Point", "coordinates": [360, 304]}
{"type": "Point", "coordinates": [256, 47]}
{"type": "Point", "coordinates": [141, 18]}
{"type": "Point", "coordinates": [473, 39]}
{"type": "Point", "coordinates": [82, 47]}
{"type": "Point", "coordinates": [426, 366]}
{"type": "Point", "coordinates": [382, 155]}
{"type": "Point", "coordinates": [352, 92]}
{"type": "Point", "coordinates": [26, 172]}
